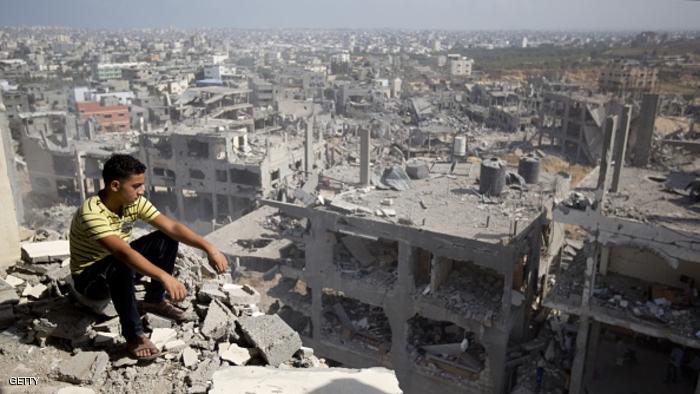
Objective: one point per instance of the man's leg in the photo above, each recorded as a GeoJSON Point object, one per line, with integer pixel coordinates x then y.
{"type": "Point", "coordinates": [161, 250]}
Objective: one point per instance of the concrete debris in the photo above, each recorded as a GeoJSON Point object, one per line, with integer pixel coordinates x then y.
{"type": "Point", "coordinates": [234, 353]}
{"type": "Point", "coordinates": [190, 357]}
{"type": "Point", "coordinates": [124, 362]}
{"type": "Point", "coordinates": [260, 380]}
{"type": "Point", "coordinates": [161, 336]}
{"type": "Point", "coordinates": [45, 252]}
{"type": "Point", "coordinates": [8, 294]}
{"type": "Point", "coordinates": [84, 368]}
{"type": "Point", "coordinates": [417, 170]}
{"type": "Point", "coordinates": [154, 321]}
{"type": "Point", "coordinates": [175, 346]}
{"type": "Point", "coordinates": [241, 295]}
{"type": "Point", "coordinates": [75, 390]}
{"type": "Point", "coordinates": [275, 340]}
{"type": "Point", "coordinates": [13, 281]}
{"type": "Point", "coordinates": [35, 292]}
{"type": "Point", "coordinates": [218, 321]}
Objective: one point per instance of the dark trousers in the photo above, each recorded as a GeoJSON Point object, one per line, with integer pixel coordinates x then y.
{"type": "Point", "coordinates": [110, 277]}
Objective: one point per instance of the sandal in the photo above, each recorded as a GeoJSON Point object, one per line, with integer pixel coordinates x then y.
{"type": "Point", "coordinates": [164, 309]}
{"type": "Point", "coordinates": [146, 344]}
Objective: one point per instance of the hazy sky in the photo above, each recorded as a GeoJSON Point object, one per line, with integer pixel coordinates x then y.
{"type": "Point", "coordinates": [414, 14]}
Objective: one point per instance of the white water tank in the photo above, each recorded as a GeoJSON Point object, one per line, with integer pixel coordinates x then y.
{"type": "Point", "coordinates": [460, 146]}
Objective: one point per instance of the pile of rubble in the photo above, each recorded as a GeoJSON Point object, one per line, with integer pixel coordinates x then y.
{"type": "Point", "coordinates": [470, 291]}
{"type": "Point", "coordinates": [351, 322]}
{"type": "Point", "coordinates": [656, 304]}
{"type": "Point", "coordinates": [567, 274]}
{"type": "Point", "coordinates": [40, 314]}
{"type": "Point", "coordinates": [374, 262]}
{"type": "Point", "coordinates": [552, 349]}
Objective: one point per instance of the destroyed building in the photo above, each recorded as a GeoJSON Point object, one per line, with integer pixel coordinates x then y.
{"type": "Point", "coordinates": [434, 281]}
{"type": "Point", "coordinates": [211, 173]}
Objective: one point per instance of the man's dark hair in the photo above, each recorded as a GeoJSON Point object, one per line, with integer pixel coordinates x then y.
{"type": "Point", "coordinates": [120, 167]}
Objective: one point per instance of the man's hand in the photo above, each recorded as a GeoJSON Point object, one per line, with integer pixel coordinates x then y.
{"type": "Point", "coordinates": [176, 290]}
{"type": "Point", "coordinates": [218, 261]}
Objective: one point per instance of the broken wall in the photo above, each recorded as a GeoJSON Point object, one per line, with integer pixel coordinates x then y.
{"type": "Point", "coordinates": [9, 242]}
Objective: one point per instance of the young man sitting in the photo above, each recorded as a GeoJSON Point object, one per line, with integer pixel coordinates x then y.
{"type": "Point", "coordinates": [104, 265]}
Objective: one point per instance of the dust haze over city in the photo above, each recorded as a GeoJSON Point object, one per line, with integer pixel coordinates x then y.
{"type": "Point", "coordinates": [409, 197]}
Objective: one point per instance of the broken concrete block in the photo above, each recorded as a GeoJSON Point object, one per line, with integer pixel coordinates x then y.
{"type": "Point", "coordinates": [83, 368]}
{"type": "Point", "coordinates": [241, 295]}
{"type": "Point", "coordinates": [219, 318]}
{"type": "Point", "coordinates": [105, 338]}
{"type": "Point", "coordinates": [234, 354]}
{"type": "Point", "coordinates": [13, 280]}
{"type": "Point", "coordinates": [175, 346]}
{"type": "Point", "coordinates": [275, 340]}
{"type": "Point", "coordinates": [210, 291]}
{"type": "Point", "coordinates": [8, 295]}
{"type": "Point", "coordinates": [35, 292]}
{"type": "Point", "coordinates": [161, 336]}
{"type": "Point", "coordinates": [189, 357]}
{"type": "Point", "coordinates": [37, 252]}
{"type": "Point", "coordinates": [155, 321]}
{"type": "Point", "coordinates": [125, 362]}
{"type": "Point", "coordinates": [417, 170]}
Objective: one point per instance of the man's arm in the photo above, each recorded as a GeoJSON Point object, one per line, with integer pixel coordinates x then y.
{"type": "Point", "coordinates": [124, 253]}
{"type": "Point", "coordinates": [182, 233]}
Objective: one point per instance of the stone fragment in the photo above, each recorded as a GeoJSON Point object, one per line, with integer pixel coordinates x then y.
{"type": "Point", "coordinates": [35, 292]}
{"type": "Point", "coordinates": [234, 354]}
{"type": "Point", "coordinates": [417, 170]}
{"type": "Point", "coordinates": [124, 362]}
{"type": "Point", "coordinates": [175, 346]}
{"type": "Point", "coordinates": [217, 321]}
{"type": "Point", "coordinates": [241, 295]}
{"type": "Point", "coordinates": [13, 280]}
{"type": "Point", "coordinates": [189, 357]}
{"type": "Point", "coordinates": [105, 338]}
{"type": "Point", "coordinates": [155, 321]}
{"type": "Point", "coordinates": [275, 340]}
{"type": "Point", "coordinates": [210, 291]}
{"type": "Point", "coordinates": [84, 368]}
{"type": "Point", "coordinates": [161, 336]}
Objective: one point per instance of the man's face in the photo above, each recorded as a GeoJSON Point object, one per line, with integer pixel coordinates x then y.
{"type": "Point", "coordinates": [131, 188]}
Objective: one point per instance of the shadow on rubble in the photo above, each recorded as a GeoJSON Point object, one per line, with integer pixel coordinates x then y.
{"type": "Point", "coordinates": [347, 386]}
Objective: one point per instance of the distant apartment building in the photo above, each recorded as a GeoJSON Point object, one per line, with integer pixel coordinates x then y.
{"type": "Point", "coordinates": [108, 71]}
{"type": "Point", "coordinates": [108, 117]}
{"type": "Point", "coordinates": [459, 65]}
{"type": "Point", "coordinates": [624, 78]}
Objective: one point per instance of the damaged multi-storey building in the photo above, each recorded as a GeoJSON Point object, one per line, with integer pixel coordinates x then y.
{"type": "Point", "coordinates": [428, 271]}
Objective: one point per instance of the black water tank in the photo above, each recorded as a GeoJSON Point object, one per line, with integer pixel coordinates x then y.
{"type": "Point", "coordinates": [492, 179]}
{"type": "Point", "coordinates": [529, 168]}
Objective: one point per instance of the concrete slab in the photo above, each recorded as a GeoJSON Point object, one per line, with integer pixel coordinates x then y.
{"type": "Point", "coordinates": [276, 341]}
{"type": "Point", "coordinates": [175, 346]}
{"type": "Point", "coordinates": [13, 280]}
{"type": "Point", "coordinates": [40, 252]}
{"type": "Point", "coordinates": [83, 368]}
{"type": "Point", "coordinates": [35, 292]}
{"type": "Point", "coordinates": [219, 318]}
{"type": "Point", "coordinates": [261, 380]}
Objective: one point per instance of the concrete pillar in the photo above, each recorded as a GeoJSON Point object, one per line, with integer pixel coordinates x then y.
{"type": "Point", "coordinates": [576, 384]}
{"type": "Point", "coordinates": [440, 269]}
{"type": "Point", "coordinates": [592, 352]}
{"type": "Point", "coordinates": [9, 226]}
{"type": "Point", "coordinates": [80, 174]}
{"type": "Point", "coordinates": [605, 158]}
{"type": "Point", "coordinates": [309, 149]}
{"type": "Point", "coordinates": [364, 156]}
{"type": "Point", "coordinates": [645, 130]}
{"type": "Point", "coordinates": [604, 260]}
{"type": "Point", "coordinates": [180, 204]}
{"type": "Point", "coordinates": [620, 146]}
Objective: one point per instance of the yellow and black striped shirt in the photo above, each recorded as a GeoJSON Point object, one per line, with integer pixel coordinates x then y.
{"type": "Point", "coordinates": [94, 220]}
